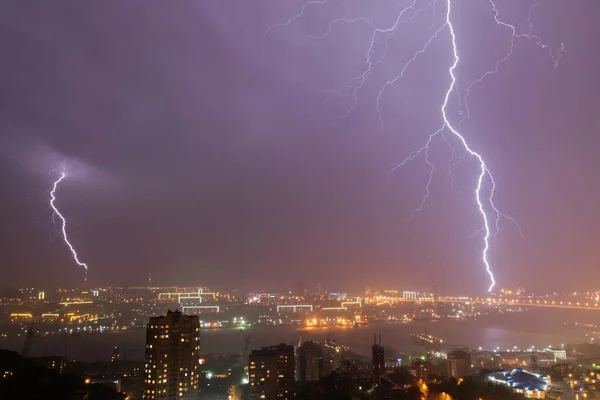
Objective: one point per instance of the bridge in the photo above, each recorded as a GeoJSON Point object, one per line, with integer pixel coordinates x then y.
{"type": "Point", "coordinates": [573, 305]}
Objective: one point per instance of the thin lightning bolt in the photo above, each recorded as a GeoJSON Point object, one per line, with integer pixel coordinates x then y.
{"type": "Point", "coordinates": [411, 157]}
{"type": "Point", "coordinates": [514, 35]}
{"type": "Point", "coordinates": [491, 219]}
{"type": "Point", "coordinates": [356, 83]}
{"type": "Point", "coordinates": [64, 222]}
{"type": "Point", "coordinates": [288, 22]}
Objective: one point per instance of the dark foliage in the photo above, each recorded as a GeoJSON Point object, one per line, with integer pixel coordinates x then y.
{"type": "Point", "coordinates": [25, 379]}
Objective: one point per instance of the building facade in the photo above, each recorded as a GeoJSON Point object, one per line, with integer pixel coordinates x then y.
{"type": "Point", "coordinates": [459, 363]}
{"type": "Point", "coordinates": [422, 369]}
{"type": "Point", "coordinates": [271, 373]}
{"type": "Point", "coordinates": [308, 362]}
{"type": "Point", "coordinates": [559, 354]}
{"type": "Point", "coordinates": [313, 362]}
{"type": "Point", "coordinates": [172, 357]}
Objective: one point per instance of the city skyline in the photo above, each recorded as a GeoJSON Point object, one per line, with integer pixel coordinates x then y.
{"type": "Point", "coordinates": [192, 156]}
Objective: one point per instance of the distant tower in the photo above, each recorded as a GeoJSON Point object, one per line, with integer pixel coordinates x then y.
{"type": "Point", "coordinates": [150, 279]}
{"type": "Point", "coordinates": [378, 359]}
{"type": "Point", "coordinates": [28, 339]}
{"type": "Point", "coordinates": [443, 279]}
{"type": "Point", "coordinates": [434, 288]}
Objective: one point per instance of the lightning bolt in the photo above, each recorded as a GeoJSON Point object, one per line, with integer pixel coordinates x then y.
{"type": "Point", "coordinates": [356, 83]}
{"type": "Point", "coordinates": [555, 56]}
{"type": "Point", "coordinates": [490, 219]}
{"type": "Point", "coordinates": [287, 23]}
{"type": "Point", "coordinates": [64, 222]}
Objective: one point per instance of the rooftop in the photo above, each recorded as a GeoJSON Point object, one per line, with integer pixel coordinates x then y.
{"type": "Point", "coordinates": [520, 379]}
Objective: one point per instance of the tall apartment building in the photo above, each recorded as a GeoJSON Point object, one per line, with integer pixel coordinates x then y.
{"type": "Point", "coordinates": [459, 363]}
{"type": "Point", "coordinates": [271, 373]}
{"type": "Point", "coordinates": [172, 357]}
{"type": "Point", "coordinates": [313, 362]}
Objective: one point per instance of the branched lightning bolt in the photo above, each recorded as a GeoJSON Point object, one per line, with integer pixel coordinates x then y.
{"type": "Point", "coordinates": [356, 83]}
{"type": "Point", "coordinates": [411, 157]}
{"type": "Point", "coordinates": [288, 22]}
{"type": "Point", "coordinates": [64, 221]}
{"type": "Point", "coordinates": [484, 176]}
{"type": "Point", "coordinates": [556, 57]}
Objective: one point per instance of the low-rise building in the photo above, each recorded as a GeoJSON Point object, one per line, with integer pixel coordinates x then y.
{"type": "Point", "coordinates": [530, 385]}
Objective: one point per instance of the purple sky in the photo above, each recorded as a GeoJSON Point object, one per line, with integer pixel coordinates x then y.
{"type": "Point", "coordinates": [196, 159]}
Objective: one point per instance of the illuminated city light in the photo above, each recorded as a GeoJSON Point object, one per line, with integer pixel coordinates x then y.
{"type": "Point", "coordinates": [179, 295]}
{"type": "Point", "coordinates": [188, 308]}
{"type": "Point", "coordinates": [69, 303]}
{"type": "Point", "coordinates": [295, 307]}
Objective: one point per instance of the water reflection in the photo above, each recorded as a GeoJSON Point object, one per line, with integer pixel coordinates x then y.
{"type": "Point", "coordinates": [537, 327]}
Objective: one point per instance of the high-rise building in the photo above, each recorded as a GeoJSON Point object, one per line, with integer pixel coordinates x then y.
{"type": "Point", "coordinates": [325, 364]}
{"type": "Point", "coordinates": [308, 362]}
{"type": "Point", "coordinates": [271, 373]}
{"type": "Point", "coordinates": [172, 357]}
{"type": "Point", "coordinates": [378, 359]}
{"type": "Point", "coordinates": [459, 363]}
{"type": "Point", "coordinates": [313, 362]}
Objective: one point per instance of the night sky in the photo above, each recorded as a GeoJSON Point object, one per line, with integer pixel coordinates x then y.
{"type": "Point", "coordinates": [191, 156]}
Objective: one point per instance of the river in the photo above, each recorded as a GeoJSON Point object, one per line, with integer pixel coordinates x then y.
{"type": "Point", "coordinates": [538, 327]}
